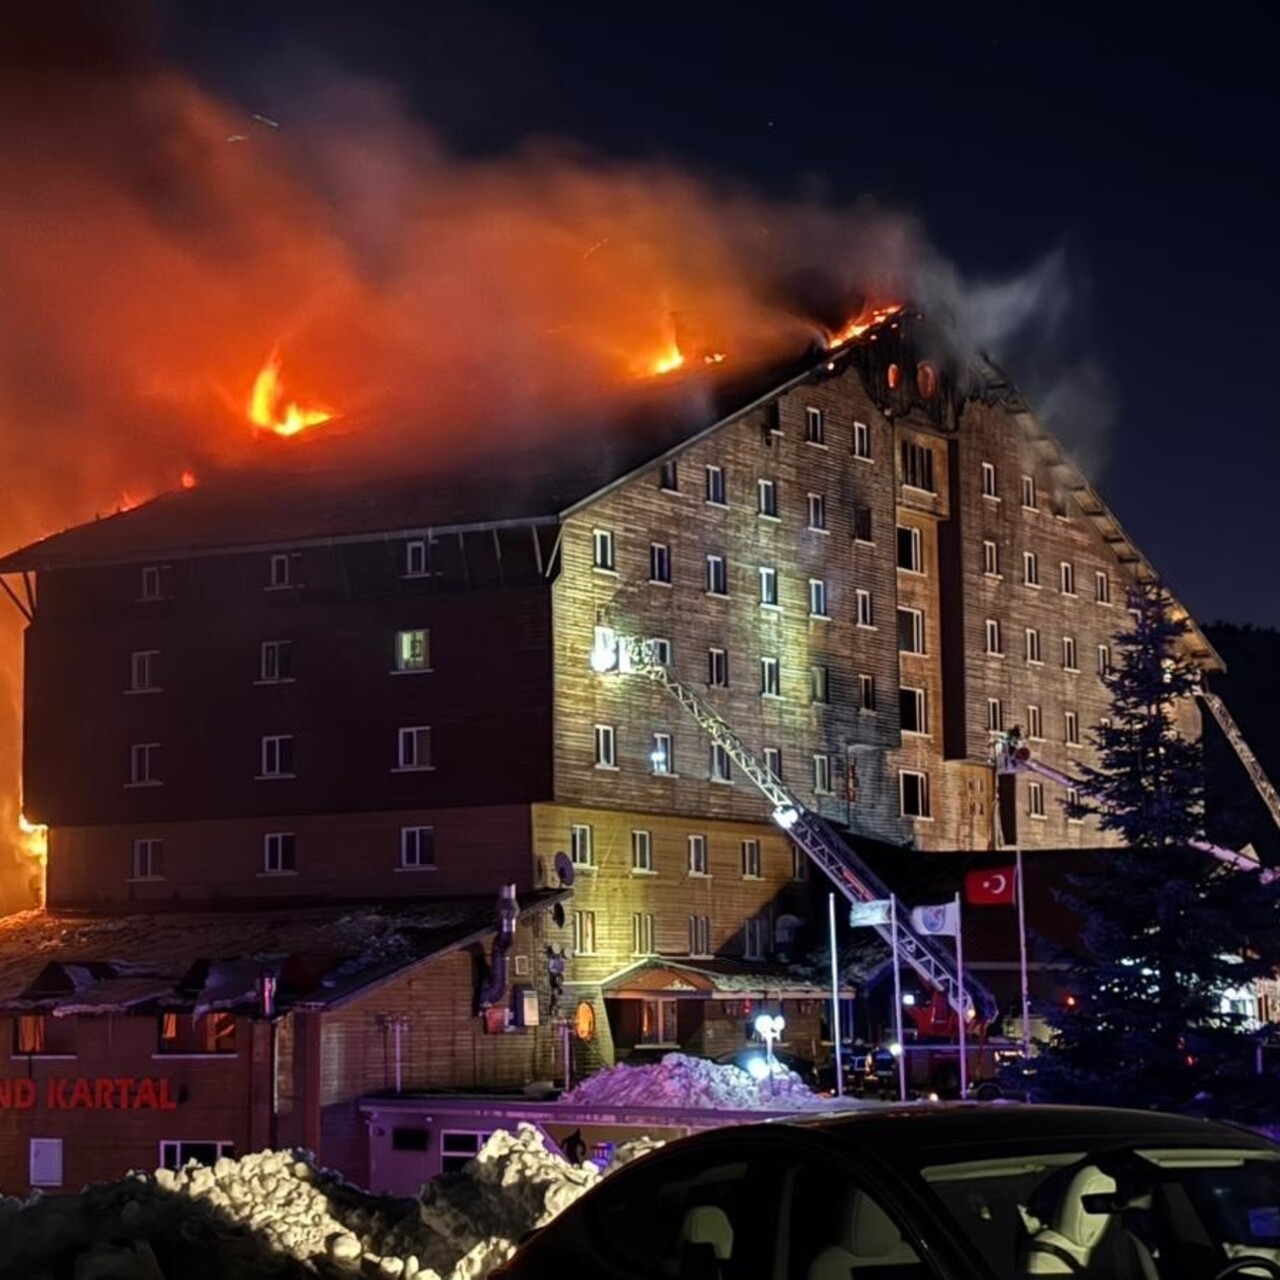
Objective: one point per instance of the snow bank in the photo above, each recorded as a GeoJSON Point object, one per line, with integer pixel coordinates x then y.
{"type": "Point", "coordinates": [680, 1081]}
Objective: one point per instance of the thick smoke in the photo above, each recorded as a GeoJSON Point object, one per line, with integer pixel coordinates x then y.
{"type": "Point", "coordinates": [159, 243]}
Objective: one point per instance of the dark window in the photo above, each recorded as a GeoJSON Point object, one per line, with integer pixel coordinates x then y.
{"type": "Point", "coordinates": [917, 466]}
{"type": "Point", "coordinates": [669, 477]}
{"type": "Point", "coordinates": [862, 524]}
{"type": "Point", "coordinates": [406, 1139]}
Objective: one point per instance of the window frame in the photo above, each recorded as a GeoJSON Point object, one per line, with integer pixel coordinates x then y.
{"type": "Point", "coordinates": [915, 549]}
{"type": "Point", "coordinates": [717, 582]}
{"type": "Point", "coordinates": [993, 641]}
{"type": "Point", "coordinates": [767, 506]}
{"type": "Point", "coordinates": [146, 858]}
{"type": "Point", "coordinates": [1031, 570]}
{"type": "Point", "coordinates": [641, 851]}
{"type": "Point", "coordinates": [720, 768]}
{"type": "Point", "coordinates": [281, 848]}
{"type": "Point", "coordinates": [918, 465]}
{"type": "Point", "coordinates": [1070, 654]}
{"type": "Point", "coordinates": [142, 671]}
{"type": "Point", "coordinates": [582, 845]}
{"type": "Point", "coordinates": [603, 551]}
{"type": "Point", "coordinates": [717, 668]}
{"type": "Point", "coordinates": [770, 677]}
{"type": "Point", "coordinates": [278, 649]}
{"type": "Point", "coordinates": [867, 692]}
{"type": "Point", "coordinates": [769, 598]}
{"type": "Point", "coordinates": [990, 558]}
{"type": "Point", "coordinates": [818, 596]}
{"type": "Point", "coordinates": [276, 758]}
{"type": "Point", "coordinates": [862, 441]}
{"type": "Point", "coordinates": [922, 794]}
{"type": "Point", "coordinates": [697, 855]}
{"type": "Point", "coordinates": [989, 488]}
{"type": "Point", "coordinates": [916, 619]}
{"type": "Point", "coordinates": [661, 757]}
{"type": "Point", "coordinates": [418, 840]}
{"type": "Point", "coordinates": [606, 746]}
{"type": "Point", "coordinates": [142, 761]}
{"type": "Point", "coordinates": [816, 504]}
{"type": "Point", "coordinates": [918, 697]}
{"type": "Point", "coordinates": [660, 563]}
{"type": "Point", "coordinates": [864, 608]}
{"type": "Point", "coordinates": [1034, 649]}
{"type": "Point", "coordinates": [815, 426]}
{"type": "Point", "coordinates": [751, 859]}
{"type": "Point", "coordinates": [822, 774]}
{"type": "Point", "coordinates": [406, 642]}
{"type": "Point", "coordinates": [1067, 578]}
{"type": "Point", "coordinates": [414, 759]}
{"type": "Point", "coordinates": [415, 558]}
{"type": "Point", "coordinates": [995, 715]}
{"type": "Point", "coordinates": [1029, 493]}
{"type": "Point", "coordinates": [717, 486]}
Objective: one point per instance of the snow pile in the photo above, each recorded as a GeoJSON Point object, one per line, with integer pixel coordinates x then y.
{"type": "Point", "coordinates": [275, 1215]}
{"type": "Point", "coordinates": [680, 1081]}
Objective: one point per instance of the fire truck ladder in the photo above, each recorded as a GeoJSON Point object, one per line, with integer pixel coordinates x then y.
{"type": "Point", "coordinates": [1257, 775]}
{"type": "Point", "coordinates": [812, 833]}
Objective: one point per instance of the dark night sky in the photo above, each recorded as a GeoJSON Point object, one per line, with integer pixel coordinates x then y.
{"type": "Point", "coordinates": [1143, 148]}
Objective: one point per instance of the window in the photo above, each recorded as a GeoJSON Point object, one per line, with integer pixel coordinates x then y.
{"type": "Point", "coordinates": [606, 747]}
{"type": "Point", "coordinates": [458, 1149]}
{"type": "Point", "coordinates": [995, 715]}
{"type": "Point", "coordinates": [1067, 578]}
{"type": "Point", "coordinates": [642, 851]}
{"type": "Point", "coordinates": [817, 598]}
{"type": "Point", "coordinates": [148, 859]}
{"type": "Point", "coordinates": [642, 934]}
{"type": "Point", "coordinates": [866, 692]}
{"type": "Point", "coordinates": [279, 852]}
{"type": "Point", "coordinates": [755, 935]}
{"type": "Point", "coordinates": [1035, 799]}
{"type": "Point", "coordinates": [991, 559]}
{"type": "Point", "coordinates": [142, 671]}
{"type": "Point", "coordinates": [275, 661]}
{"type": "Point", "coordinates": [584, 933]}
{"type": "Point", "coordinates": [717, 668]}
{"type": "Point", "coordinates": [660, 759]}
{"type": "Point", "coordinates": [150, 588]}
{"type": "Point", "coordinates": [417, 848]}
{"type": "Point", "coordinates": [768, 587]}
{"type": "Point", "coordinates": [660, 651]}
{"type": "Point", "coordinates": [767, 499]}
{"type": "Point", "coordinates": [602, 549]}
{"type": "Point", "coordinates": [989, 481]}
{"type": "Point", "coordinates": [280, 573]}
{"type": "Point", "coordinates": [910, 550]}
{"type": "Point", "coordinates": [44, 1162]}
{"type": "Point", "coordinates": [717, 576]}
{"type": "Point", "coordinates": [817, 511]}
{"type": "Point", "coordinates": [862, 441]}
{"type": "Point", "coordinates": [770, 680]}
{"type": "Point", "coordinates": [720, 764]}
{"type": "Point", "coordinates": [144, 759]}
{"type": "Point", "coordinates": [210, 1033]}
{"type": "Point", "coordinates": [819, 685]}
{"type": "Point", "coordinates": [1104, 659]}
{"type": "Point", "coordinates": [1035, 724]}
{"type": "Point", "coordinates": [992, 636]}
{"type": "Point", "coordinates": [910, 631]}
{"type": "Point", "coordinates": [911, 710]}
{"type": "Point", "coordinates": [751, 865]}
{"type": "Point", "coordinates": [658, 1021]}
{"type": "Point", "coordinates": [799, 863]}
{"type": "Point", "coordinates": [1030, 569]}
{"type": "Point", "coordinates": [413, 650]}
{"type": "Point", "coordinates": [917, 466]}
{"type": "Point", "coordinates": [414, 747]}
{"type": "Point", "coordinates": [669, 477]}
{"type": "Point", "coordinates": [1102, 587]}
{"type": "Point", "coordinates": [659, 562]}
{"type": "Point", "coordinates": [177, 1155]}
{"type": "Point", "coordinates": [580, 845]}
{"type": "Point", "coordinates": [1033, 645]}
{"type": "Point", "coordinates": [913, 790]}
{"type": "Point", "coordinates": [410, 1138]}
{"type": "Point", "coordinates": [1071, 729]}
{"type": "Point", "coordinates": [822, 774]}
{"type": "Point", "coordinates": [1029, 492]}
{"type": "Point", "coordinates": [1074, 806]}
{"type": "Point", "coordinates": [715, 486]}
{"type": "Point", "coordinates": [699, 935]}
{"type": "Point", "coordinates": [864, 614]}
{"type": "Point", "coordinates": [773, 761]}
{"type": "Point", "coordinates": [277, 756]}
{"type": "Point", "coordinates": [44, 1036]}
{"type": "Point", "coordinates": [1069, 654]}
{"type": "Point", "coordinates": [698, 855]}
{"type": "Point", "coordinates": [415, 558]}
{"type": "Point", "coordinates": [862, 524]}
{"type": "Point", "coordinates": [815, 427]}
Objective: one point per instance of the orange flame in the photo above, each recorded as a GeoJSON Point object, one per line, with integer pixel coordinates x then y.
{"type": "Point", "coordinates": [188, 479]}
{"type": "Point", "coordinates": [266, 407]}
{"type": "Point", "coordinates": [866, 319]}
{"type": "Point", "coordinates": [33, 838]}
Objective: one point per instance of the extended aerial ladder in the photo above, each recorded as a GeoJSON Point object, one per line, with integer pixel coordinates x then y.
{"type": "Point", "coordinates": [1257, 775]}
{"type": "Point", "coordinates": [809, 831]}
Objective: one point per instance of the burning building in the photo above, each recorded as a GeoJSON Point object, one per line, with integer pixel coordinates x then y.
{"type": "Point", "coordinates": [256, 703]}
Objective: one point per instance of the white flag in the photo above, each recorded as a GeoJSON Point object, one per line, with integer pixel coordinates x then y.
{"type": "Point", "coordinates": [941, 919]}
{"type": "Point", "coordinates": [869, 913]}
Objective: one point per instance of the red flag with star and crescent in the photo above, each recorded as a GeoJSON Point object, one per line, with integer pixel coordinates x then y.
{"type": "Point", "coordinates": [991, 887]}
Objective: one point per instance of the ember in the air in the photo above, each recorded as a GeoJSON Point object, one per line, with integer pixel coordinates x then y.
{"type": "Point", "coordinates": [267, 408]}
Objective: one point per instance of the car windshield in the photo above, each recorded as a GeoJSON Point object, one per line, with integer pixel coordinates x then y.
{"type": "Point", "coordinates": [1134, 1212]}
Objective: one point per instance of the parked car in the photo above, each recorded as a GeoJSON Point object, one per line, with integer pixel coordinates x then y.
{"type": "Point", "coordinates": [964, 1191]}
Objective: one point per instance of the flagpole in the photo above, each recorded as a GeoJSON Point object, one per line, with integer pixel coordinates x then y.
{"type": "Point", "coordinates": [964, 1052]}
{"type": "Point", "coordinates": [1022, 956]}
{"type": "Point", "coordinates": [835, 996]}
{"type": "Point", "coordinates": [897, 999]}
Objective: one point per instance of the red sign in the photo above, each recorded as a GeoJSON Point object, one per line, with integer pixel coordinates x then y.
{"type": "Point", "coordinates": [995, 887]}
{"type": "Point", "coordinates": [101, 1093]}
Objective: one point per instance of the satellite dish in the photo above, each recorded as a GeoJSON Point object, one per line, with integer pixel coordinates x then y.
{"type": "Point", "coordinates": [564, 869]}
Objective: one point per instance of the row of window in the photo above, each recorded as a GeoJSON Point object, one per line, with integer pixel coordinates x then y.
{"type": "Point", "coordinates": [417, 852]}
{"type": "Point", "coordinates": [1033, 651]}
{"type": "Point", "coordinates": [44, 1035]}
{"type": "Point", "coordinates": [1034, 726]}
{"type": "Point", "coordinates": [751, 867]}
{"type": "Point", "coordinates": [276, 759]}
{"type": "Point", "coordinates": [1031, 573]}
{"type": "Point", "coordinates": [411, 651]}
{"type": "Point", "coordinates": [1028, 492]}
{"type": "Point", "coordinates": [755, 935]}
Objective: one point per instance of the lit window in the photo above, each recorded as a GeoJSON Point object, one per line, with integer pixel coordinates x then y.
{"type": "Point", "coordinates": [768, 586]}
{"type": "Point", "coordinates": [862, 441]}
{"type": "Point", "coordinates": [817, 598]}
{"type": "Point", "coordinates": [1067, 578]}
{"type": "Point", "coordinates": [1033, 645]}
{"type": "Point", "coordinates": [995, 715]}
{"type": "Point", "coordinates": [150, 589]}
{"type": "Point", "coordinates": [815, 427]}
{"type": "Point", "coordinates": [144, 760]}
{"type": "Point", "coordinates": [642, 936]}
{"type": "Point", "coordinates": [817, 511]}
{"type": "Point", "coordinates": [417, 848]}
{"type": "Point", "coordinates": [721, 765]}
{"type": "Point", "coordinates": [584, 933]}
{"type": "Point", "coordinates": [917, 466]}
{"type": "Point", "coordinates": [414, 747]}
{"type": "Point", "coordinates": [910, 550]}
{"type": "Point", "coordinates": [413, 650]}
{"type": "Point", "coordinates": [822, 774]}
{"type": "Point", "coordinates": [865, 614]}
{"type": "Point", "coordinates": [642, 851]}
{"type": "Point", "coordinates": [717, 576]}
{"type": "Point", "coordinates": [277, 756]}
{"type": "Point", "coordinates": [1035, 723]}
{"type": "Point", "coordinates": [991, 631]}
{"type": "Point", "coordinates": [1035, 799]}
{"type": "Point", "coordinates": [716, 486]}
{"type": "Point", "coordinates": [910, 631]}
{"type": "Point", "coordinates": [1071, 731]}
{"type": "Point", "coordinates": [751, 866]}
{"type": "Point", "coordinates": [1030, 569]}
{"type": "Point", "coordinates": [819, 685]}
{"type": "Point", "coordinates": [606, 747]}
{"type": "Point", "coordinates": [148, 859]}
{"type": "Point", "coordinates": [211, 1033]}
{"type": "Point", "coordinates": [415, 558]}
{"type": "Point", "coordinates": [926, 380]}
{"type": "Point", "coordinates": [991, 559]}
{"type": "Point", "coordinates": [1102, 587]}
{"type": "Point", "coordinates": [767, 498]}
{"type": "Point", "coordinates": [659, 562]}
{"type": "Point", "coordinates": [602, 549]}
{"type": "Point", "coordinates": [658, 1021]}
{"type": "Point", "coordinates": [279, 852]}
{"type": "Point", "coordinates": [142, 671]}
{"type": "Point", "coordinates": [717, 668]}
{"type": "Point", "coordinates": [275, 661]}
{"type": "Point", "coordinates": [1069, 654]}
{"type": "Point", "coordinates": [773, 761]}
{"type": "Point", "coordinates": [697, 855]}
{"type": "Point", "coordinates": [668, 477]}
{"type": "Point", "coordinates": [280, 574]}
{"type": "Point", "coordinates": [912, 710]}
{"type": "Point", "coordinates": [580, 844]}
{"type": "Point", "coordinates": [660, 758]}
{"type": "Point", "coordinates": [699, 935]}
{"type": "Point", "coordinates": [770, 678]}
{"type": "Point", "coordinates": [989, 480]}
{"type": "Point", "coordinates": [1029, 492]}
{"type": "Point", "coordinates": [913, 790]}
{"type": "Point", "coordinates": [866, 692]}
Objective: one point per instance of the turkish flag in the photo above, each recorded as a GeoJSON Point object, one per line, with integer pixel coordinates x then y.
{"type": "Point", "coordinates": [991, 887]}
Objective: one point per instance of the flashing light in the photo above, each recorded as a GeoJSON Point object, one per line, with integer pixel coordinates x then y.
{"type": "Point", "coordinates": [604, 651]}
{"type": "Point", "coordinates": [757, 1068]}
{"type": "Point", "coordinates": [908, 999]}
{"type": "Point", "coordinates": [658, 758]}
{"type": "Point", "coordinates": [896, 1049]}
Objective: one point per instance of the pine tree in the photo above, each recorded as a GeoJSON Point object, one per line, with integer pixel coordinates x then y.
{"type": "Point", "coordinates": [1169, 931]}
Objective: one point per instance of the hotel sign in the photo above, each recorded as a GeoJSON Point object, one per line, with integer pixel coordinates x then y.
{"type": "Point", "coordinates": [89, 1093]}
